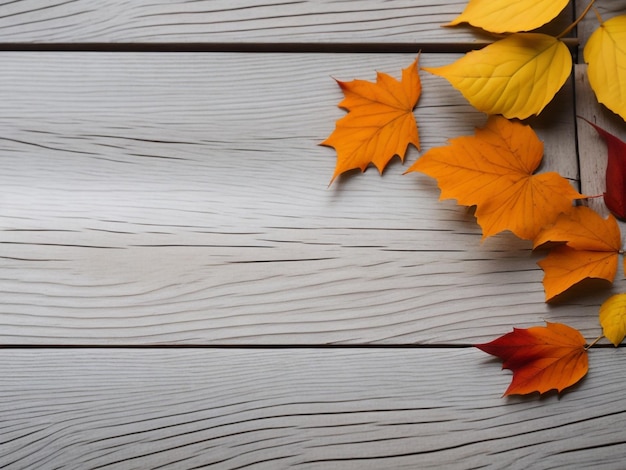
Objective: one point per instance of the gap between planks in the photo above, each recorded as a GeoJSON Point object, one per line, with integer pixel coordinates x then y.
{"type": "Point", "coordinates": [242, 347]}
{"type": "Point", "coordinates": [311, 346]}
{"type": "Point", "coordinates": [297, 48]}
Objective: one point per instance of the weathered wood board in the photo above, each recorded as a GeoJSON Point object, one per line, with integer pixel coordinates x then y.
{"type": "Point", "coordinates": [223, 22]}
{"type": "Point", "coordinates": [166, 198]}
{"type": "Point", "coordinates": [180, 199]}
{"type": "Point", "coordinates": [304, 408]}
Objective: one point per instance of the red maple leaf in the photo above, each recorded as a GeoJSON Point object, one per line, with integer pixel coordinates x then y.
{"type": "Point", "coordinates": [542, 358]}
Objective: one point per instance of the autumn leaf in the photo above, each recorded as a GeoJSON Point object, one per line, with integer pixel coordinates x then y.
{"type": "Point", "coordinates": [494, 171]}
{"type": "Point", "coordinates": [613, 318]}
{"type": "Point", "coordinates": [516, 76]}
{"type": "Point", "coordinates": [542, 358]}
{"type": "Point", "coordinates": [615, 195]}
{"type": "Point", "coordinates": [380, 122]}
{"type": "Point", "coordinates": [501, 16]}
{"type": "Point", "coordinates": [605, 54]}
{"type": "Point", "coordinates": [590, 249]}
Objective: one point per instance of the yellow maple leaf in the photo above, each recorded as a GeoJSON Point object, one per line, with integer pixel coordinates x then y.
{"type": "Point", "coordinates": [516, 76]}
{"type": "Point", "coordinates": [605, 54]}
{"type": "Point", "coordinates": [591, 250]}
{"type": "Point", "coordinates": [613, 318]}
{"type": "Point", "coordinates": [380, 122]}
{"type": "Point", "coordinates": [494, 171]}
{"type": "Point", "coordinates": [502, 16]}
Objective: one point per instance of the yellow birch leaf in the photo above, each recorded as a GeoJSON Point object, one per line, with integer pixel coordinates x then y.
{"type": "Point", "coordinates": [613, 318]}
{"type": "Point", "coordinates": [516, 76]}
{"type": "Point", "coordinates": [605, 54]}
{"type": "Point", "coordinates": [502, 16]}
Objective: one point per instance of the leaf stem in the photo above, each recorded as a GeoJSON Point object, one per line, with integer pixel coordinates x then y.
{"type": "Point", "coordinates": [593, 342]}
{"type": "Point", "coordinates": [600, 20]}
{"type": "Point", "coordinates": [578, 20]}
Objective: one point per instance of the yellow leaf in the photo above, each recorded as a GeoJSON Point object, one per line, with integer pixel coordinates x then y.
{"type": "Point", "coordinates": [605, 53]}
{"type": "Point", "coordinates": [613, 318]}
{"type": "Point", "coordinates": [501, 16]}
{"type": "Point", "coordinates": [516, 76]}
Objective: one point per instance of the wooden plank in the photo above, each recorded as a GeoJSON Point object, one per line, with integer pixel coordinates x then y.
{"type": "Point", "coordinates": [340, 409]}
{"type": "Point", "coordinates": [592, 149]}
{"type": "Point", "coordinates": [166, 198]}
{"type": "Point", "coordinates": [239, 22]}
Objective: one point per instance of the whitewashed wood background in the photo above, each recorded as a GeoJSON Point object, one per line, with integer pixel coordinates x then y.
{"type": "Point", "coordinates": [181, 289]}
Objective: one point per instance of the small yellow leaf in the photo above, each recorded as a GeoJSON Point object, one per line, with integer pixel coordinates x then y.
{"type": "Point", "coordinates": [605, 53]}
{"type": "Point", "coordinates": [613, 318]}
{"type": "Point", "coordinates": [501, 16]}
{"type": "Point", "coordinates": [516, 76]}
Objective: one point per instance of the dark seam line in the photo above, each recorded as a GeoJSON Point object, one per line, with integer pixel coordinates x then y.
{"type": "Point", "coordinates": [247, 47]}
{"type": "Point", "coordinates": [237, 346]}
{"type": "Point", "coordinates": [257, 346]}
{"type": "Point", "coordinates": [337, 47]}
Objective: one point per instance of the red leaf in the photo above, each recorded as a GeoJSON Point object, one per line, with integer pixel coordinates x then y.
{"type": "Point", "coordinates": [615, 195]}
{"type": "Point", "coordinates": [542, 358]}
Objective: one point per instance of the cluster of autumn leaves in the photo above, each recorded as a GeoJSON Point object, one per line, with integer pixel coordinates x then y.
{"type": "Point", "coordinates": [494, 170]}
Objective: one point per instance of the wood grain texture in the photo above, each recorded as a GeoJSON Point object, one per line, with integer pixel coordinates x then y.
{"type": "Point", "coordinates": [181, 198]}
{"type": "Point", "coordinates": [152, 198]}
{"type": "Point", "coordinates": [310, 409]}
{"type": "Point", "coordinates": [242, 21]}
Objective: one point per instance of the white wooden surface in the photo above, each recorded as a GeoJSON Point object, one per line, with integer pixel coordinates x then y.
{"type": "Point", "coordinates": [138, 210]}
{"type": "Point", "coordinates": [239, 22]}
{"type": "Point", "coordinates": [166, 204]}
{"type": "Point", "coordinates": [310, 409]}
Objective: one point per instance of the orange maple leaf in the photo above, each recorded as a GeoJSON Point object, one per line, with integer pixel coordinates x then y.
{"type": "Point", "coordinates": [542, 358]}
{"type": "Point", "coordinates": [493, 170]}
{"type": "Point", "coordinates": [590, 249]}
{"type": "Point", "coordinates": [380, 122]}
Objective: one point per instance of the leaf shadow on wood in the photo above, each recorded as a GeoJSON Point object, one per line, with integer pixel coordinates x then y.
{"type": "Point", "coordinates": [587, 289]}
{"type": "Point", "coordinates": [347, 178]}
